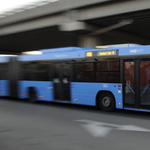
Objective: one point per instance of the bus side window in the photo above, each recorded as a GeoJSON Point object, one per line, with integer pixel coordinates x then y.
{"type": "Point", "coordinates": [43, 71]}
{"type": "Point", "coordinates": [84, 72]}
{"type": "Point", "coordinates": [108, 71]}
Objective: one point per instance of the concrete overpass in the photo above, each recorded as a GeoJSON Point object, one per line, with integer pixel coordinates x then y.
{"type": "Point", "coordinates": [70, 23]}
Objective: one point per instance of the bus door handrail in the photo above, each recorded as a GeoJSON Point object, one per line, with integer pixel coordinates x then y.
{"type": "Point", "coordinates": [144, 90]}
{"type": "Point", "coordinates": [130, 87]}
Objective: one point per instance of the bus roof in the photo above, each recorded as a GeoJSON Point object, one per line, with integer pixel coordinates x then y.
{"type": "Point", "coordinates": [63, 49]}
{"type": "Point", "coordinates": [79, 52]}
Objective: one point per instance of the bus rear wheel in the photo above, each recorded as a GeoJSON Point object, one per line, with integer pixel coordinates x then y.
{"type": "Point", "coordinates": [106, 101]}
{"type": "Point", "coordinates": [32, 95]}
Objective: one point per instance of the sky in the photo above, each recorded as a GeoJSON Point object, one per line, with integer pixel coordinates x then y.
{"type": "Point", "coordinates": [8, 5]}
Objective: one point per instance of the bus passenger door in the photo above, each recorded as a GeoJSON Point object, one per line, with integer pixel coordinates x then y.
{"type": "Point", "coordinates": [129, 83]}
{"type": "Point", "coordinates": [62, 81]}
{"type": "Point", "coordinates": [57, 81]}
{"type": "Point", "coordinates": [136, 76]}
{"type": "Point", "coordinates": [65, 67]}
{"type": "Point", "coordinates": [144, 83]}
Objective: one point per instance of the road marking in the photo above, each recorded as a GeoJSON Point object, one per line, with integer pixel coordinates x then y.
{"type": "Point", "coordinates": [133, 128]}
{"type": "Point", "coordinates": [102, 129]}
{"type": "Point", "coordinates": [97, 131]}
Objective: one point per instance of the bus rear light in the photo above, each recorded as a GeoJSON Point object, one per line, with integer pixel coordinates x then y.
{"type": "Point", "coordinates": [119, 85]}
{"type": "Point", "coordinates": [114, 85]}
{"type": "Point", "coordinates": [119, 89]}
{"type": "Point", "coordinates": [119, 103]}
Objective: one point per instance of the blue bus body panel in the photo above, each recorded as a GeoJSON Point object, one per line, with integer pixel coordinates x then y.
{"type": "Point", "coordinates": [44, 89]}
{"type": "Point", "coordinates": [81, 93]}
{"type": "Point", "coordinates": [4, 88]}
{"type": "Point", "coordinates": [85, 93]}
{"type": "Point", "coordinates": [131, 51]}
{"type": "Point", "coordinates": [133, 109]}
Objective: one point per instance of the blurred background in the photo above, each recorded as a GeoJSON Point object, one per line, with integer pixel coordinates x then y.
{"type": "Point", "coordinates": [29, 25]}
{"type": "Point", "coordinates": [38, 24]}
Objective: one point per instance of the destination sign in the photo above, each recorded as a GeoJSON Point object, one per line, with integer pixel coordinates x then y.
{"type": "Point", "coordinates": [102, 53]}
{"type": "Point", "coordinates": [107, 53]}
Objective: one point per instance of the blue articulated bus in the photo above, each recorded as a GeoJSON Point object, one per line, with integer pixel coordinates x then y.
{"type": "Point", "coordinates": [106, 78]}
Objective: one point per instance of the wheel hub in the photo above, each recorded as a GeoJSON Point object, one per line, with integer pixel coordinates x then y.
{"type": "Point", "coordinates": [106, 101]}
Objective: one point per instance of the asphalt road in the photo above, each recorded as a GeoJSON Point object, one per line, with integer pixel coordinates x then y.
{"type": "Point", "coordinates": [53, 126]}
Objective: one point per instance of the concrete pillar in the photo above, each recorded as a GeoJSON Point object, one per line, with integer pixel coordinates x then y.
{"type": "Point", "coordinates": [87, 41]}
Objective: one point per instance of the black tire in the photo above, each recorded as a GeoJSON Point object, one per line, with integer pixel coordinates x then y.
{"type": "Point", "coordinates": [106, 101]}
{"type": "Point", "coordinates": [32, 95]}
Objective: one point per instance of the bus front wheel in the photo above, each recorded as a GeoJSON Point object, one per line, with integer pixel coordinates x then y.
{"type": "Point", "coordinates": [106, 101]}
{"type": "Point", "coordinates": [32, 95]}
